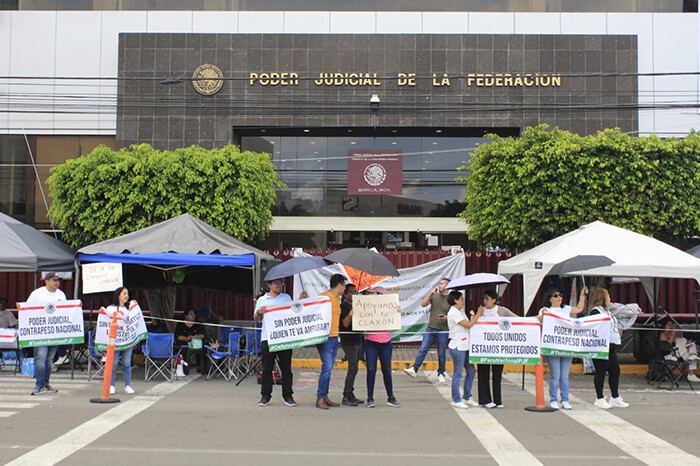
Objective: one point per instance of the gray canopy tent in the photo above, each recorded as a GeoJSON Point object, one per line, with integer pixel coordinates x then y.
{"type": "Point", "coordinates": [26, 249]}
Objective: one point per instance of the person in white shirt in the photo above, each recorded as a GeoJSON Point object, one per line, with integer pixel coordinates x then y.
{"type": "Point", "coordinates": [43, 355]}
{"type": "Point", "coordinates": [600, 304]}
{"type": "Point", "coordinates": [559, 367]}
{"type": "Point", "coordinates": [491, 309]}
{"type": "Point", "coordinates": [459, 326]}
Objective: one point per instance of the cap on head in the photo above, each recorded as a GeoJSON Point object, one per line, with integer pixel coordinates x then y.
{"type": "Point", "coordinates": [377, 289]}
{"type": "Point", "coordinates": [52, 276]}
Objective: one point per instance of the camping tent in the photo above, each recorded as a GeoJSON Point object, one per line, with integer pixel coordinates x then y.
{"type": "Point", "coordinates": [184, 241]}
{"type": "Point", "coordinates": [26, 249]}
{"type": "Point", "coordinates": [635, 255]}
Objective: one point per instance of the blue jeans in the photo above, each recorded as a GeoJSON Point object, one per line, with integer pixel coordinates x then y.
{"type": "Point", "coordinates": [126, 365]}
{"type": "Point", "coordinates": [43, 362]}
{"type": "Point", "coordinates": [428, 337]}
{"type": "Point", "coordinates": [460, 359]}
{"type": "Point", "coordinates": [559, 377]}
{"type": "Point", "coordinates": [327, 351]}
{"type": "Point", "coordinates": [374, 350]}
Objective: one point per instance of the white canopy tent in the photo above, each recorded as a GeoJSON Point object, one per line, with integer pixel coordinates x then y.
{"type": "Point", "coordinates": [635, 255]}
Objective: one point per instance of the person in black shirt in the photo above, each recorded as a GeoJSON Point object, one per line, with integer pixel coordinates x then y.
{"type": "Point", "coordinates": [187, 331]}
{"type": "Point", "coordinates": [352, 345]}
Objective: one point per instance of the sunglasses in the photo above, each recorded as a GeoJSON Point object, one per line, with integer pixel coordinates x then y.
{"type": "Point", "coordinates": [557, 295]}
{"type": "Point", "coordinates": [277, 282]}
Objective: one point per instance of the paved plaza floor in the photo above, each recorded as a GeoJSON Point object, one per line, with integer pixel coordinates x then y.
{"type": "Point", "coordinates": [198, 421]}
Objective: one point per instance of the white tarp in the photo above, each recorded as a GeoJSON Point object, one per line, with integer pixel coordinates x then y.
{"type": "Point", "coordinates": [635, 255]}
{"type": "Point", "coordinates": [412, 285]}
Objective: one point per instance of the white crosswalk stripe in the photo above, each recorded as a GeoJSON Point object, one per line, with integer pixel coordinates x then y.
{"type": "Point", "coordinates": [503, 447]}
{"type": "Point", "coordinates": [15, 391]}
{"type": "Point", "coordinates": [629, 438]}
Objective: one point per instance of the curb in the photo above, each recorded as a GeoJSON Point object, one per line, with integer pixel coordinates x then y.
{"type": "Point", "coordinates": [635, 369]}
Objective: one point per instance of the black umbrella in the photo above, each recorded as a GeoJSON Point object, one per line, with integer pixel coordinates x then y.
{"type": "Point", "coordinates": [580, 263]}
{"type": "Point", "coordinates": [694, 251]}
{"type": "Point", "coordinates": [364, 260]}
{"type": "Point", "coordinates": [296, 265]}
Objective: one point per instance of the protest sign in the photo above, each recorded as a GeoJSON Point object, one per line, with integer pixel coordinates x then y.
{"type": "Point", "coordinates": [131, 327]}
{"type": "Point", "coordinates": [298, 323]}
{"type": "Point", "coordinates": [505, 340]}
{"type": "Point", "coordinates": [412, 285]}
{"type": "Point", "coordinates": [587, 337]}
{"type": "Point", "coordinates": [376, 312]}
{"type": "Point", "coordinates": [50, 324]}
{"type": "Point", "coordinates": [101, 276]}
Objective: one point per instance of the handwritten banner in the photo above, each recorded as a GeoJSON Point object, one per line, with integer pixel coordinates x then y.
{"type": "Point", "coordinates": [299, 323]}
{"type": "Point", "coordinates": [505, 340]}
{"type": "Point", "coordinates": [587, 337]}
{"type": "Point", "coordinates": [130, 331]}
{"type": "Point", "coordinates": [376, 312]}
{"type": "Point", "coordinates": [50, 324]}
{"type": "Point", "coordinates": [101, 276]}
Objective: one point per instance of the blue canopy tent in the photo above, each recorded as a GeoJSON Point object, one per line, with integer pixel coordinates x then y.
{"type": "Point", "coordinates": [183, 241]}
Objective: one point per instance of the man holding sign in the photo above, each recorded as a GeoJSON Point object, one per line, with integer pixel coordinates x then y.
{"type": "Point", "coordinates": [43, 355]}
{"type": "Point", "coordinates": [274, 297]}
{"type": "Point", "coordinates": [328, 350]}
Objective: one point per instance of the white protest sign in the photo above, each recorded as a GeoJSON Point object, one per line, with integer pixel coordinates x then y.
{"type": "Point", "coordinates": [298, 323]}
{"type": "Point", "coordinates": [412, 285]}
{"type": "Point", "coordinates": [587, 337]}
{"type": "Point", "coordinates": [8, 338]}
{"type": "Point", "coordinates": [131, 327]}
{"type": "Point", "coordinates": [376, 312]}
{"type": "Point", "coordinates": [50, 324]}
{"type": "Point", "coordinates": [101, 276]}
{"type": "Point", "coordinates": [505, 340]}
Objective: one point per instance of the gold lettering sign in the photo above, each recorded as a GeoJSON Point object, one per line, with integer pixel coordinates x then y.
{"type": "Point", "coordinates": [407, 79]}
{"type": "Point", "coordinates": [207, 79]}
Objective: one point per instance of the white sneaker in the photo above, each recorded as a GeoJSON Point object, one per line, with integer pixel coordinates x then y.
{"type": "Point", "coordinates": [471, 402]}
{"type": "Point", "coordinates": [618, 402]}
{"type": "Point", "coordinates": [693, 357]}
{"type": "Point", "coordinates": [411, 371]}
{"type": "Point", "coordinates": [601, 403]}
{"type": "Point", "coordinates": [112, 390]}
{"type": "Point", "coordinates": [460, 404]}
{"type": "Point", "coordinates": [442, 379]}
{"type": "Point", "coordinates": [129, 390]}
{"type": "Point", "coordinates": [566, 405]}
{"type": "Point", "coordinates": [554, 405]}
{"type": "Point", "coordinates": [61, 360]}
{"type": "Point", "coordinates": [500, 406]}
{"type": "Point", "coordinates": [490, 405]}
{"type": "Point", "coordinates": [693, 378]}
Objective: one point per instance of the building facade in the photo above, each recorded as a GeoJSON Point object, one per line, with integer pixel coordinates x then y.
{"type": "Point", "coordinates": [367, 114]}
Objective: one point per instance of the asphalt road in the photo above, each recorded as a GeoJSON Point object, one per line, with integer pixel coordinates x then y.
{"type": "Point", "coordinates": [196, 421]}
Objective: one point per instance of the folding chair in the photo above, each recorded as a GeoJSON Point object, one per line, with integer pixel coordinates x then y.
{"type": "Point", "coordinates": [160, 358]}
{"type": "Point", "coordinates": [94, 359]}
{"type": "Point", "coordinates": [674, 369]}
{"type": "Point", "coordinates": [253, 349]}
{"type": "Point", "coordinates": [221, 361]}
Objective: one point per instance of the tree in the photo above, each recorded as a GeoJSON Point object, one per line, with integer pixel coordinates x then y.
{"type": "Point", "coordinates": [524, 191]}
{"type": "Point", "coordinates": [109, 193]}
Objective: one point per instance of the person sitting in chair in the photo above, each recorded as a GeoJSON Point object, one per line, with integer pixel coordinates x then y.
{"type": "Point", "coordinates": [682, 348]}
{"type": "Point", "coordinates": [185, 333]}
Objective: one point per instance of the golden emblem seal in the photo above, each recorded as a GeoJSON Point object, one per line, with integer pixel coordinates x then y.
{"type": "Point", "coordinates": [207, 79]}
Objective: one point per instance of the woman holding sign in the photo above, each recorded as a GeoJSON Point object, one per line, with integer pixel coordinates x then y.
{"type": "Point", "coordinates": [491, 309]}
{"type": "Point", "coordinates": [559, 366]}
{"type": "Point", "coordinates": [459, 327]}
{"type": "Point", "coordinates": [378, 346]}
{"type": "Point", "coordinates": [119, 299]}
{"type": "Point", "coordinates": [600, 304]}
